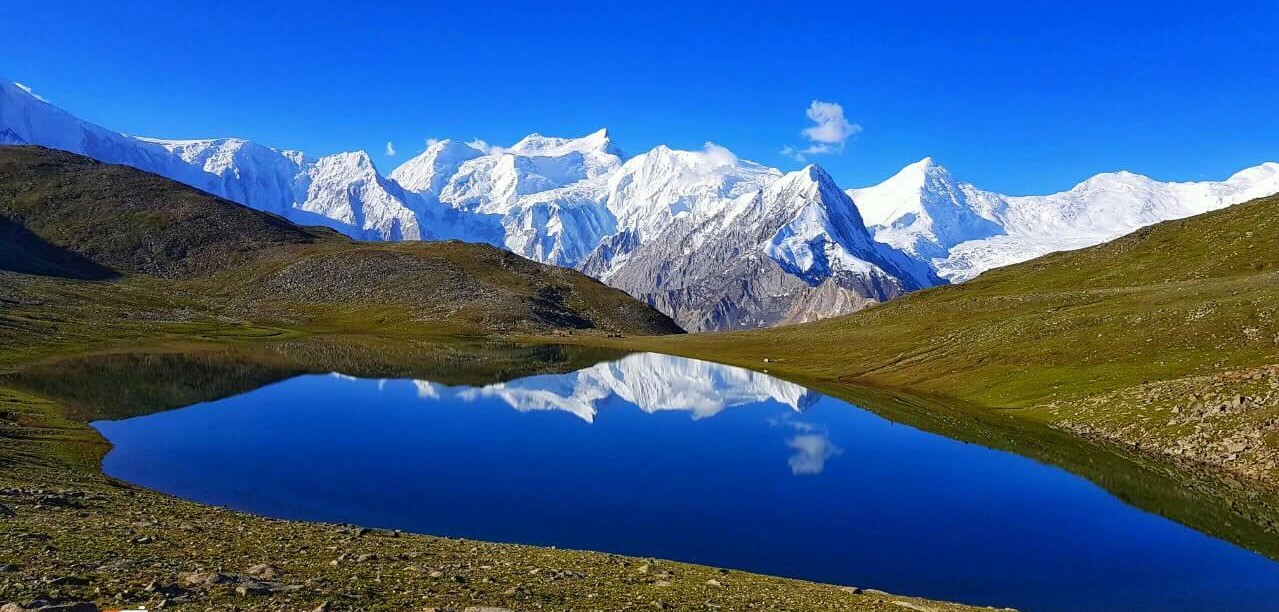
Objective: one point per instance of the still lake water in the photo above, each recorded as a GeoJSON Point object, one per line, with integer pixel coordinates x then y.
{"type": "Point", "coordinates": [661, 456]}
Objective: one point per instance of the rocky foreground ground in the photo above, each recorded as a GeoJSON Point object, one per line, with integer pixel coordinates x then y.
{"type": "Point", "coordinates": [72, 539]}
{"type": "Point", "coordinates": [1229, 421]}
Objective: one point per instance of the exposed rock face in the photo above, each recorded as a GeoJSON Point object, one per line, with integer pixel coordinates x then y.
{"type": "Point", "coordinates": [794, 251]}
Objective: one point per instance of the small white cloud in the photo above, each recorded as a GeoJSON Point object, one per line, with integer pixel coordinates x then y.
{"type": "Point", "coordinates": [790, 152]}
{"type": "Point", "coordinates": [390, 149]}
{"type": "Point", "coordinates": [714, 161]}
{"type": "Point", "coordinates": [430, 142]}
{"type": "Point", "coordinates": [719, 157]}
{"type": "Point", "coordinates": [832, 128]}
{"type": "Point", "coordinates": [828, 134]}
{"type": "Point", "coordinates": [811, 453]}
{"type": "Point", "coordinates": [486, 147]}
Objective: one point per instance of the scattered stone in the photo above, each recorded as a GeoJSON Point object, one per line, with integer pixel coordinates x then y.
{"type": "Point", "coordinates": [852, 590]}
{"type": "Point", "coordinates": [486, 609]}
{"type": "Point", "coordinates": [265, 572]}
{"type": "Point", "coordinates": [204, 579]}
{"type": "Point", "coordinates": [714, 583]}
{"type": "Point", "coordinates": [55, 501]}
{"type": "Point", "coordinates": [6, 568]}
{"type": "Point", "coordinates": [43, 605]}
{"type": "Point", "coordinates": [365, 558]}
{"type": "Point", "coordinates": [252, 589]}
{"type": "Point", "coordinates": [6, 512]}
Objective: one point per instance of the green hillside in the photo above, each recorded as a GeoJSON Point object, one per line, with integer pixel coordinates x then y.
{"type": "Point", "coordinates": [1143, 340]}
{"type": "Point", "coordinates": [93, 249]}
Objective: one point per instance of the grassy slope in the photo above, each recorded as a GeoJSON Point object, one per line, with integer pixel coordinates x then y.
{"type": "Point", "coordinates": [1109, 341]}
{"type": "Point", "coordinates": [115, 233]}
{"type": "Point", "coordinates": [1185, 297]}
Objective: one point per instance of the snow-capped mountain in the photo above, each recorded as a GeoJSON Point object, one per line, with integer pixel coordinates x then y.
{"type": "Point", "coordinates": [542, 196]}
{"type": "Point", "coordinates": [649, 381]}
{"type": "Point", "coordinates": [963, 231]}
{"type": "Point", "coordinates": [794, 250]}
{"type": "Point", "coordinates": [712, 240]}
{"type": "Point", "coordinates": [715, 241]}
{"type": "Point", "coordinates": [924, 211]}
{"type": "Point", "coordinates": [343, 191]}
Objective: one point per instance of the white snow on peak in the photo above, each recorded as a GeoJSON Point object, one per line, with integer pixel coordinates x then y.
{"type": "Point", "coordinates": [652, 189]}
{"type": "Point", "coordinates": [825, 234]}
{"type": "Point", "coordinates": [580, 202]}
{"type": "Point", "coordinates": [963, 231]}
{"type": "Point", "coordinates": [598, 142]}
{"type": "Point", "coordinates": [924, 211]}
{"type": "Point", "coordinates": [429, 171]}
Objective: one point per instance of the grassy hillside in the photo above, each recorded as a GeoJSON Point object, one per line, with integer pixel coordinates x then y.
{"type": "Point", "coordinates": [1143, 340]}
{"type": "Point", "coordinates": [94, 243]}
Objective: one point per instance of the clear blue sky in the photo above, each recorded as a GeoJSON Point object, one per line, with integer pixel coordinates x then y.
{"type": "Point", "coordinates": [1021, 97]}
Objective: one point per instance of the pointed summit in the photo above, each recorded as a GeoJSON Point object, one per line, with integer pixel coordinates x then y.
{"type": "Point", "coordinates": [924, 211]}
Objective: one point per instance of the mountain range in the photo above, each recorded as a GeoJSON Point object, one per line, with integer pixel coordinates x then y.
{"type": "Point", "coordinates": [714, 241]}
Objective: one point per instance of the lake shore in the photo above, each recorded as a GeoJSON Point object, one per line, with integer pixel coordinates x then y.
{"type": "Point", "coordinates": [73, 535]}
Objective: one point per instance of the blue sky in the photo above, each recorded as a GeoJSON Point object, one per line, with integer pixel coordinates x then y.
{"type": "Point", "coordinates": [1026, 97]}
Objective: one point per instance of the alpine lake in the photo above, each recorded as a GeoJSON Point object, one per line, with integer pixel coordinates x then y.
{"type": "Point", "coordinates": [658, 456]}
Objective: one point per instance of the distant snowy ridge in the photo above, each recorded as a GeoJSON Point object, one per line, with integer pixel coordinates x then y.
{"type": "Point", "coordinates": [963, 231]}
{"type": "Point", "coordinates": [795, 244]}
{"type": "Point", "coordinates": [715, 241]}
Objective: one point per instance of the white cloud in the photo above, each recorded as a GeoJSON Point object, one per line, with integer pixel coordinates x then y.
{"type": "Point", "coordinates": [718, 156]}
{"type": "Point", "coordinates": [430, 142]}
{"type": "Point", "coordinates": [811, 453]}
{"type": "Point", "coordinates": [832, 128]}
{"type": "Point", "coordinates": [828, 134]}
{"type": "Point", "coordinates": [390, 149]}
{"type": "Point", "coordinates": [486, 147]}
{"type": "Point", "coordinates": [714, 161]}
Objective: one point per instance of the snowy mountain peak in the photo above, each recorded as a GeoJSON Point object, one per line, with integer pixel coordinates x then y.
{"type": "Point", "coordinates": [923, 168]}
{"type": "Point", "coordinates": [1268, 171]}
{"type": "Point", "coordinates": [963, 230]}
{"type": "Point", "coordinates": [598, 142]}
{"type": "Point", "coordinates": [358, 160]}
{"type": "Point", "coordinates": [429, 170]}
{"type": "Point", "coordinates": [924, 211]}
{"type": "Point", "coordinates": [715, 241]}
